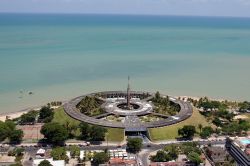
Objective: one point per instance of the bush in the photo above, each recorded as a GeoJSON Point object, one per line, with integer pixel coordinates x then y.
{"type": "Point", "coordinates": [45, 163]}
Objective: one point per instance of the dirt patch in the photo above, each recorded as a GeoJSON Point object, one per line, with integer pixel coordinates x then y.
{"type": "Point", "coordinates": [31, 131]}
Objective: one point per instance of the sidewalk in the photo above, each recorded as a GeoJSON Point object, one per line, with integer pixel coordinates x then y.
{"type": "Point", "coordinates": [196, 139]}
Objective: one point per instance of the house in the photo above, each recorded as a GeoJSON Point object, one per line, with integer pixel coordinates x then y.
{"type": "Point", "coordinates": [122, 162]}
{"type": "Point", "coordinates": [217, 154]}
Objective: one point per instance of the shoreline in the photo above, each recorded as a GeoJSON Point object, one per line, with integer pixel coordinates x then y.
{"type": "Point", "coordinates": [16, 114]}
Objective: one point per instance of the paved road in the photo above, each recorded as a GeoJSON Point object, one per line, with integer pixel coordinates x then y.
{"type": "Point", "coordinates": [147, 149]}
{"type": "Point", "coordinates": [146, 145]}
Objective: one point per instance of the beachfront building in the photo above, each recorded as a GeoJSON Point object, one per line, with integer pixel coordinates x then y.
{"type": "Point", "coordinates": [239, 149]}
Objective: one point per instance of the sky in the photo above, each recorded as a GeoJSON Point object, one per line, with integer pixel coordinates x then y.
{"type": "Point", "coordinates": [235, 8]}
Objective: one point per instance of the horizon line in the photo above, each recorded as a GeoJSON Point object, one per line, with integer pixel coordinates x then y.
{"type": "Point", "coordinates": [123, 14]}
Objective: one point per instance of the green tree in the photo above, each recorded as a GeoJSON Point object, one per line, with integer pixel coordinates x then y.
{"type": "Point", "coordinates": [46, 114]}
{"type": "Point", "coordinates": [236, 127]}
{"type": "Point", "coordinates": [97, 133]}
{"type": "Point", "coordinates": [206, 132]}
{"type": "Point", "coordinates": [160, 156]}
{"type": "Point", "coordinates": [16, 136]}
{"type": "Point", "coordinates": [187, 131]}
{"type": "Point", "coordinates": [28, 118]}
{"type": "Point", "coordinates": [45, 163]}
{"type": "Point", "coordinates": [200, 127]}
{"type": "Point", "coordinates": [244, 125]}
{"type": "Point", "coordinates": [90, 105]}
{"type": "Point", "coordinates": [100, 158]}
{"type": "Point", "coordinates": [18, 151]}
{"type": "Point", "coordinates": [74, 151]}
{"type": "Point", "coordinates": [188, 147]}
{"type": "Point", "coordinates": [157, 96]}
{"type": "Point", "coordinates": [8, 130]}
{"type": "Point", "coordinates": [54, 132]}
{"type": "Point", "coordinates": [217, 122]}
{"type": "Point", "coordinates": [71, 128]}
{"type": "Point", "coordinates": [4, 130]}
{"type": "Point", "coordinates": [172, 152]}
{"type": "Point", "coordinates": [244, 106]}
{"type": "Point", "coordinates": [194, 157]}
{"type": "Point", "coordinates": [85, 129]}
{"type": "Point", "coordinates": [134, 145]}
{"type": "Point", "coordinates": [59, 153]}
{"type": "Point", "coordinates": [10, 124]}
{"type": "Point", "coordinates": [231, 128]}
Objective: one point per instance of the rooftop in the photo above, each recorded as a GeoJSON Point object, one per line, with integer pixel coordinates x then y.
{"type": "Point", "coordinates": [243, 143]}
{"type": "Point", "coordinates": [119, 161]}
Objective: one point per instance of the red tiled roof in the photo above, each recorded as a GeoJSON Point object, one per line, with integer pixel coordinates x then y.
{"type": "Point", "coordinates": [121, 161]}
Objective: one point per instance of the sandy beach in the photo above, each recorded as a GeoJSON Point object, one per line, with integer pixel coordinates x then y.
{"type": "Point", "coordinates": [13, 115]}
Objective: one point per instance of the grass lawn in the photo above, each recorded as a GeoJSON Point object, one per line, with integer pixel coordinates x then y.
{"type": "Point", "coordinates": [115, 135]}
{"type": "Point", "coordinates": [61, 117]}
{"type": "Point", "coordinates": [248, 115]}
{"type": "Point", "coordinates": [171, 132]}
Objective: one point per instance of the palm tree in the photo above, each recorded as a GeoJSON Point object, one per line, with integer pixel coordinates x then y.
{"type": "Point", "coordinates": [200, 127]}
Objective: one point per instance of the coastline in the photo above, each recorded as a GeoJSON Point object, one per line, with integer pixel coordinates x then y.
{"type": "Point", "coordinates": [16, 114]}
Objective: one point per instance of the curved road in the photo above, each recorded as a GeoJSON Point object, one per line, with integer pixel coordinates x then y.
{"type": "Point", "coordinates": [132, 122]}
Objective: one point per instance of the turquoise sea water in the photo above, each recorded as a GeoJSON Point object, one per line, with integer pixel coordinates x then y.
{"type": "Point", "coordinates": [61, 56]}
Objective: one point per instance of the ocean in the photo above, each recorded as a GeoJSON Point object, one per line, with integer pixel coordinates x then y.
{"type": "Point", "coordinates": [60, 56]}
